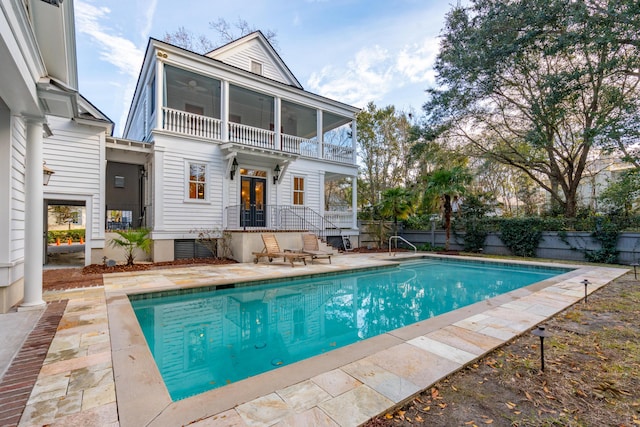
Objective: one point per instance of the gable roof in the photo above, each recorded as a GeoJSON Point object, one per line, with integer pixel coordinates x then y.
{"type": "Point", "coordinates": [255, 47]}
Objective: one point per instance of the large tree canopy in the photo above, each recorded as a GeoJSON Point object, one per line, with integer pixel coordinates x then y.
{"type": "Point", "coordinates": [538, 84]}
{"type": "Point", "coordinates": [384, 150]}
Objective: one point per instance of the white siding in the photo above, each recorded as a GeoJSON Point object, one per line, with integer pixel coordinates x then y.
{"type": "Point", "coordinates": [73, 152]}
{"type": "Point", "coordinates": [18, 152]}
{"type": "Point", "coordinates": [312, 190]}
{"type": "Point", "coordinates": [242, 56]}
{"type": "Point", "coordinates": [181, 214]}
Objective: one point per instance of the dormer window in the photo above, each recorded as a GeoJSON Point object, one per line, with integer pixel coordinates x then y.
{"type": "Point", "coordinates": [256, 67]}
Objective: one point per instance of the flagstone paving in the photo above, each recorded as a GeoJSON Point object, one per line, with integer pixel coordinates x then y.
{"type": "Point", "coordinates": [98, 370]}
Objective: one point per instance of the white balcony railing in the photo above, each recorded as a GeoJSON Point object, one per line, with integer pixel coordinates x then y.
{"type": "Point", "coordinates": [337, 153]}
{"type": "Point", "coordinates": [250, 135]}
{"type": "Point", "coordinates": [210, 128]}
{"type": "Point", "coordinates": [190, 124]}
{"type": "Point", "coordinates": [292, 143]}
{"type": "Point", "coordinates": [340, 219]}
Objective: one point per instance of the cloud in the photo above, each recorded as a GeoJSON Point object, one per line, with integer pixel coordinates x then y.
{"type": "Point", "coordinates": [149, 11]}
{"type": "Point", "coordinates": [374, 73]}
{"type": "Point", "coordinates": [365, 78]}
{"type": "Point", "coordinates": [416, 61]}
{"type": "Point", "coordinates": [114, 49]}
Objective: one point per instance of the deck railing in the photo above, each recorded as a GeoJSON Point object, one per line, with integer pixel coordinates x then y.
{"type": "Point", "coordinates": [250, 135]}
{"type": "Point", "coordinates": [211, 128]}
{"type": "Point", "coordinates": [190, 124]}
{"type": "Point", "coordinates": [340, 219]}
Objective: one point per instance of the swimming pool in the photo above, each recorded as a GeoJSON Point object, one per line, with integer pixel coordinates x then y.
{"type": "Point", "coordinates": [209, 338]}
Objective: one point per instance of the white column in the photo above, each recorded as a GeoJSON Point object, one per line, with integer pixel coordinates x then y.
{"type": "Point", "coordinates": [224, 110]}
{"type": "Point", "coordinates": [34, 218]}
{"type": "Point", "coordinates": [319, 132]}
{"type": "Point", "coordinates": [158, 187]}
{"type": "Point", "coordinates": [160, 101]}
{"type": "Point", "coordinates": [277, 122]}
{"type": "Point", "coordinates": [354, 140]}
{"type": "Point", "coordinates": [354, 201]}
{"type": "Point", "coordinates": [322, 209]}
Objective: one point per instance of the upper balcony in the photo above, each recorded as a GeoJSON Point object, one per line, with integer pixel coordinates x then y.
{"type": "Point", "coordinates": [216, 110]}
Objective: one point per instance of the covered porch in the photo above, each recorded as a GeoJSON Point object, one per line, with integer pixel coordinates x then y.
{"type": "Point", "coordinates": [209, 108]}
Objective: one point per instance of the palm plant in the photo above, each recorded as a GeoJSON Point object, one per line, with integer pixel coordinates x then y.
{"type": "Point", "coordinates": [444, 184]}
{"type": "Point", "coordinates": [130, 240]}
{"type": "Point", "coordinates": [396, 203]}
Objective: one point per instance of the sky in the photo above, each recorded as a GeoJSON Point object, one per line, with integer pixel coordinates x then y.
{"type": "Point", "coordinates": [353, 51]}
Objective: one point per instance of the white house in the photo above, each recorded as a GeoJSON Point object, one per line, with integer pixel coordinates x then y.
{"type": "Point", "coordinates": [228, 140]}
{"type": "Point", "coordinates": [233, 142]}
{"type": "Point", "coordinates": [43, 118]}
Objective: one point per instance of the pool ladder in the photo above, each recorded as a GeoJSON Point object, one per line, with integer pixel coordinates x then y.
{"type": "Point", "coordinates": [404, 240]}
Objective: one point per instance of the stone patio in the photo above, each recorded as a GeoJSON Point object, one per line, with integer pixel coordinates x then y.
{"type": "Point", "coordinates": [99, 371]}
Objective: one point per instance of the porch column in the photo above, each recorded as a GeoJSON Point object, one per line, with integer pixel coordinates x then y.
{"type": "Point", "coordinates": [158, 187]}
{"type": "Point", "coordinates": [323, 210]}
{"type": "Point", "coordinates": [159, 89]}
{"type": "Point", "coordinates": [277, 122]}
{"type": "Point", "coordinates": [354, 201]}
{"type": "Point", "coordinates": [354, 140]}
{"type": "Point", "coordinates": [34, 217]}
{"type": "Point", "coordinates": [319, 132]}
{"type": "Point", "coordinates": [224, 110]}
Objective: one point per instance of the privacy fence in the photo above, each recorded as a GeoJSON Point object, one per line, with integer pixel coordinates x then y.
{"type": "Point", "coordinates": [553, 245]}
{"type": "Point", "coordinates": [607, 244]}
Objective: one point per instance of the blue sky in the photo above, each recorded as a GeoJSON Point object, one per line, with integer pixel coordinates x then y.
{"type": "Point", "coordinates": [354, 51]}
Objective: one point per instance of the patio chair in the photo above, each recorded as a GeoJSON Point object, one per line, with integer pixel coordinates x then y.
{"type": "Point", "coordinates": [310, 247]}
{"type": "Point", "coordinates": [272, 250]}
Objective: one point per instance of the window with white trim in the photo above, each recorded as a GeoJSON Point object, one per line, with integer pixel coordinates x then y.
{"type": "Point", "coordinates": [197, 185]}
{"type": "Point", "coordinates": [298, 190]}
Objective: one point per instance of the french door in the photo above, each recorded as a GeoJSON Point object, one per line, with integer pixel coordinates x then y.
{"type": "Point", "coordinates": [252, 201]}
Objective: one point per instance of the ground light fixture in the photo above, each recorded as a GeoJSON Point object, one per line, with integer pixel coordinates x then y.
{"type": "Point", "coordinates": [585, 282]}
{"type": "Point", "coordinates": [542, 333]}
{"type": "Point", "coordinates": [635, 274]}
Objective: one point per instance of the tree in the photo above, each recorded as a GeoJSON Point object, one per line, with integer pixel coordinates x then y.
{"type": "Point", "coordinates": [130, 240]}
{"type": "Point", "coordinates": [446, 184]}
{"type": "Point", "coordinates": [537, 84]}
{"type": "Point", "coordinates": [396, 203]}
{"type": "Point", "coordinates": [384, 146]}
{"type": "Point", "coordinates": [621, 194]}
{"type": "Point", "coordinates": [64, 214]}
{"type": "Point", "coordinates": [226, 33]}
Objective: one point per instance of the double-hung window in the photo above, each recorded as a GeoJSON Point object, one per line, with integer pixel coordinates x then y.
{"type": "Point", "coordinates": [197, 184]}
{"type": "Point", "coordinates": [298, 190]}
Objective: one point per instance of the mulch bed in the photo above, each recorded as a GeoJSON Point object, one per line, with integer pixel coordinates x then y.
{"type": "Point", "coordinates": [91, 275]}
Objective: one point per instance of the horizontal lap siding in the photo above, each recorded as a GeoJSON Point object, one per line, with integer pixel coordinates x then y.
{"type": "Point", "coordinates": [18, 153]}
{"type": "Point", "coordinates": [73, 152]}
{"type": "Point", "coordinates": [242, 59]}
{"type": "Point", "coordinates": [312, 188]}
{"type": "Point", "coordinates": [179, 213]}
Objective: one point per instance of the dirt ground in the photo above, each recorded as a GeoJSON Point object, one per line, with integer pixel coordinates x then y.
{"type": "Point", "coordinates": [591, 377]}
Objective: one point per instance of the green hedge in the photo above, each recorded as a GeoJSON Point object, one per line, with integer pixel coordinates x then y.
{"type": "Point", "coordinates": [64, 235]}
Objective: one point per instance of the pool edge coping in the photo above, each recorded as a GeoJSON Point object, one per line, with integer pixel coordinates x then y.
{"type": "Point", "coordinates": [134, 364]}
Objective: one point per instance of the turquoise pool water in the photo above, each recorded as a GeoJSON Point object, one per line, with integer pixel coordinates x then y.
{"type": "Point", "coordinates": [206, 338]}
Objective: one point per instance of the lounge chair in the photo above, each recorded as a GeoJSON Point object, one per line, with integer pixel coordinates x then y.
{"type": "Point", "coordinates": [272, 250]}
{"type": "Point", "coordinates": [310, 247]}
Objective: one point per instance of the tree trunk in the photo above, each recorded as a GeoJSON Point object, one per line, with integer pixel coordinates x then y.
{"type": "Point", "coordinates": [447, 220]}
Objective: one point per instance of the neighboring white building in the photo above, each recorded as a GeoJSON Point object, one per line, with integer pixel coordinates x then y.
{"type": "Point", "coordinates": [42, 118]}
{"type": "Point", "coordinates": [234, 143]}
